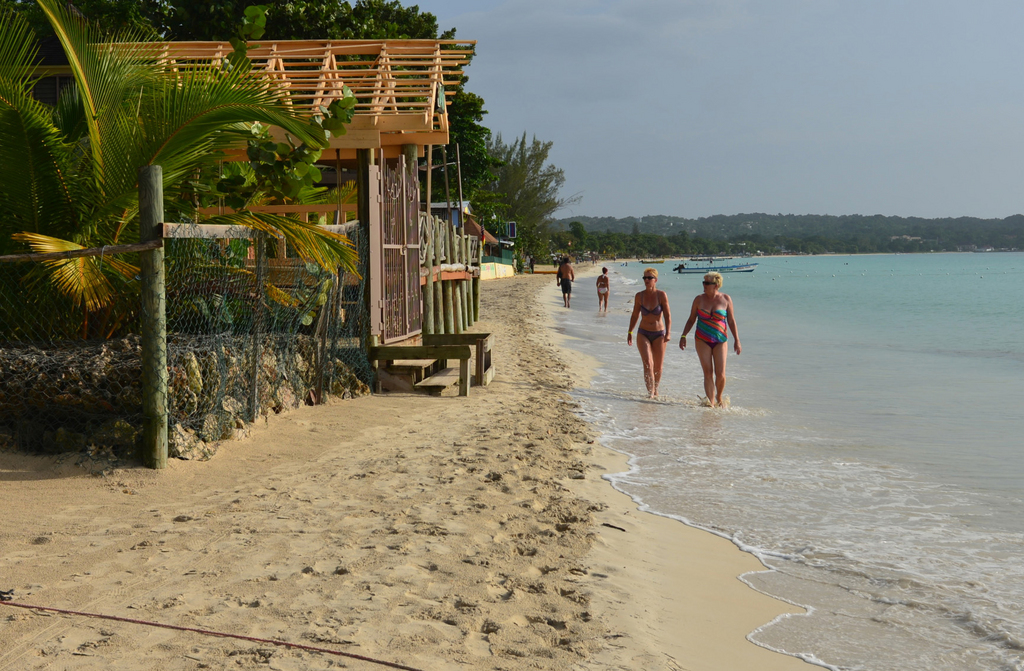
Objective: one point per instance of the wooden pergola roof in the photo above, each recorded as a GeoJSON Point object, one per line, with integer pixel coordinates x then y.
{"type": "Point", "coordinates": [402, 86]}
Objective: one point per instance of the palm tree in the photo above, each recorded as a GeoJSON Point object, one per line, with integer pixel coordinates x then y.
{"type": "Point", "coordinates": [68, 174]}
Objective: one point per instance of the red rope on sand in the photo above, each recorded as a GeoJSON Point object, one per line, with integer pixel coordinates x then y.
{"type": "Point", "coordinates": [208, 632]}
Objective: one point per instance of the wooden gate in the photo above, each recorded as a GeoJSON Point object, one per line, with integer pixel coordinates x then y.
{"type": "Point", "coordinates": [396, 307]}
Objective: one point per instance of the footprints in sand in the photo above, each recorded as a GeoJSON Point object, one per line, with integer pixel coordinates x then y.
{"type": "Point", "coordinates": [444, 537]}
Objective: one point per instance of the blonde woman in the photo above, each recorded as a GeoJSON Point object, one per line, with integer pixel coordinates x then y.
{"type": "Point", "coordinates": [712, 311]}
{"type": "Point", "coordinates": [650, 306]}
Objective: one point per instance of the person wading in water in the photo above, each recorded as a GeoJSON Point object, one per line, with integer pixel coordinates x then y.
{"type": "Point", "coordinates": [712, 311]}
{"type": "Point", "coordinates": [650, 306]}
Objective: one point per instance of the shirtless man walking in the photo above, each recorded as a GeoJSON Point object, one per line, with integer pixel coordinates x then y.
{"type": "Point", "coordinates": [566, 277]}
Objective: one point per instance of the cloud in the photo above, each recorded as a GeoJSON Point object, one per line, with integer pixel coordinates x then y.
{"type": "Point", "coordinates": [695, 108]}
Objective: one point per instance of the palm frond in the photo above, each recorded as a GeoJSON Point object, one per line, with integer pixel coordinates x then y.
{"type": "Point", "coordinates": [102, 71]}
{"type": "Point", "coordinates": [331, 251]}
{"type": "Point", "coordinates": [36, 190]}
{"type": "Point", "coordinates": [209, 106]}
{"type": "Point", "coordinates": [81, 279]}
{"type": "Point", "coordinates": [18, 46]}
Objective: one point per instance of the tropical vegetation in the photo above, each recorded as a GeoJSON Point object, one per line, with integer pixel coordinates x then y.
{"type": "Point", "coordinates": [661, 235]}
{"type": "Point", "coordinates": [68, 174]}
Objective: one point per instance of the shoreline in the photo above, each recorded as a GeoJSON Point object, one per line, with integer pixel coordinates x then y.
{"type": "Point", "coordinates": [706, 610]}
{"type": "Point", "coordinates": [440, 533]}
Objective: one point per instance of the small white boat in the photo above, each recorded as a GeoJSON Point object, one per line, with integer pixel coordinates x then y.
{"type": "Point", "coordinates": [703, 265]}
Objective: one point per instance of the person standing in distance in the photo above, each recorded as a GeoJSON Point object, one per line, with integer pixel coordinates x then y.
{"type": "Point", "coordinates": [712, 311]}
{"type": "Point", "coordinates": [566, 275]}
{"type": "Point", "coordinates": [603, 287]}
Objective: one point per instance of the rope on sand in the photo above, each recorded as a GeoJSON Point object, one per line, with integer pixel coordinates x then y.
{"type": "Point", "coordinates": [206, 632]}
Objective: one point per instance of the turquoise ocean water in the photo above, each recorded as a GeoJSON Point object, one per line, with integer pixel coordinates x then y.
{"type": "Point", "coordinates": [872, 456]}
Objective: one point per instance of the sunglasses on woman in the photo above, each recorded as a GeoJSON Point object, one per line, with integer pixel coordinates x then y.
{"type": "Point", "coordinates": [648, 277]}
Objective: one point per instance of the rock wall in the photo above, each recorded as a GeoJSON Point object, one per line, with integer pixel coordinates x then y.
{"type": "Point", "coordinates": [88, 397]}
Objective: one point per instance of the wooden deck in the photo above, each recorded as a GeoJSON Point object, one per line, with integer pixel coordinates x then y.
{"type": "Point", "coordinates": [401, 86]}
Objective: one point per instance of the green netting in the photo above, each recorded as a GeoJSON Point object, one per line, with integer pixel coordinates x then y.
{"type": "Point", "coordinates": [248, 335]}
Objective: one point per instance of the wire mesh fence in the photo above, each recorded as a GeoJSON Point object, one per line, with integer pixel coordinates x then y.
{"type": "Point", "coordinates": [248, 334]}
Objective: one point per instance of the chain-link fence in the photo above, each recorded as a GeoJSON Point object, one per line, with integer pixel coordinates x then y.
{"type": "Point", "coordinates": [248, 334]}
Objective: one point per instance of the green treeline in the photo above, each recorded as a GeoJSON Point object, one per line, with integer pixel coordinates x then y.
{"type": "Point", "coordinates": [661, 235]}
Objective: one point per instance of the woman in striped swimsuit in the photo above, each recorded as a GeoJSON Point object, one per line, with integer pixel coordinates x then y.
{"type": "Point", "coordinates": [712, 311]}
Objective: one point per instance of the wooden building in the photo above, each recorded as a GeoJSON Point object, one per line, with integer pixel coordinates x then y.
{"type": "Point", "coordinates": [402, 89]}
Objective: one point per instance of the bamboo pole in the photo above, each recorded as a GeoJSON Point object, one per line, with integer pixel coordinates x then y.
{"type": "Point", "coordinates": [470, 316]}
{"type": "Point", "coordinates": [430, 172]}
{"type": "Point", "coordinates": [428, 288]}
{"type": "Point", "coordinates": [460, 300]}
{"type": "Point", "coordinates": [154, 319]}
{"type": "Point", "coordinates": [90, 251]}
{"type": "Point", "coordinates": [459, 242]}
{"type": "Point", "coordinates": [438, 290]}
{"type": "Point", "coordinates": [458, 173]}
{"type": "Point", "coordinates": [449, 298]}
{"type": "Point", "coordinates": [447, 191]}
{"type": "Point", "coordinates": [476, 280]}
{"type": "Point", "coordinates": [257, 325]}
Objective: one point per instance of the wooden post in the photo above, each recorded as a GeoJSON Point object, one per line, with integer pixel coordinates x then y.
{"type": "Point", "coordinates": [449, 257]}
{"type": "Point", "coordinates": [464, 322]}
{"type": "Point", "coordinates": [447, 191]}
{"type": "Point", "coordinates": [154, 319]}
{"type": "Point", "coordinates": [411, 152]}
{"type": "Point", "coordinates": [364, 159]}
{"type": "Point", "coordinates": [459, 300]}
{"type": "Point", "coordinates": [476, 280]}
{"type": "Point", "coordinates": [430, 172]}
{"type": "Point", "coordinates": [470, 318]}
{"type": "Point", "coordinates": [438, 292]}
{"type": "Point", "coordinates": [259, 291]}
{"type": "Point", "coordinates": [456, 312]}
{"type": "Point", "coordinates": [428, 288]}
{"type": "Point", "coordinates": [458, 172]}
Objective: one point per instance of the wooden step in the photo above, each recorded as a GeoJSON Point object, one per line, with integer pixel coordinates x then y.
{"type": "Point", "coordinates": [439, 381]}
{"type": "Point", "coordinates": [411, 363]}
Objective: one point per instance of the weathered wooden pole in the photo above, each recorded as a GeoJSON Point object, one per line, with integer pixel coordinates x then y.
{"type": "Point", "coordinates": [458, 172]}
{"type": "Point", "coordinates": [438, 292]}
{"type": "Point", "coordinates": [476, 280]}
{"type": "Point", "coordinates": [464, 324]}
{"type": "Point", "coordinates": [364, 201]}
{"type": "Point", "coordinates": [447, 190]}
{"type": "Point", "coordinates": [428, 287]}
{"type": "Point", "coordinates": [154, 319]}
{"type": "Point", "coordinates": [468, 284]}
{"type": "Point", "coordinates": [430, 172]}
{"type": "Point", "coordinates": [460, 308]}
{"type": "Point", "coordinates": [259, 291]}
{"type": "Point", "coordinates": [449, 308]}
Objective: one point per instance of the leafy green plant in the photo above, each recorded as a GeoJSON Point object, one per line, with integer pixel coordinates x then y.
{"type": "Point", "coordinates": [68, 174]}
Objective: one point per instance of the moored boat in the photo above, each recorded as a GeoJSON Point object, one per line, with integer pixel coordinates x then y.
{"type": "Point", "coordinates": [704, 265]}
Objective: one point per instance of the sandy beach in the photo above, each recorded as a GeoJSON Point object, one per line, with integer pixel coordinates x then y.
{"type": "Point", "coordinates": [435, 533]}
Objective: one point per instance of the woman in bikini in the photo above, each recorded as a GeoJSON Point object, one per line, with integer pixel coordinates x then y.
{"type": "Point", "coordinates": [651, 307]}
{"type": "Point", "coordinates": [602, 290]}
{"type": "Point", "coordinates": [712, 311]}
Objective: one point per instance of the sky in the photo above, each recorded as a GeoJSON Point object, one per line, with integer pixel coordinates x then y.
{"type": "Point", "coordinates": [699, 107]}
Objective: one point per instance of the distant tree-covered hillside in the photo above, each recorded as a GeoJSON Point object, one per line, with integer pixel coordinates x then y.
{"type": "Point", "coordinates": [816, 233]}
